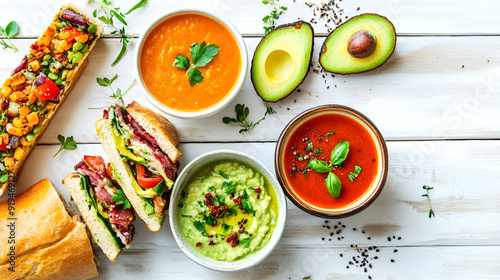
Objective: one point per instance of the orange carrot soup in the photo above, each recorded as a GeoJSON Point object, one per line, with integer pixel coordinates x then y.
{"type": "Point", "coordinates": [171, 84]}
{"type": "Point", "coordinates": [315, 139]}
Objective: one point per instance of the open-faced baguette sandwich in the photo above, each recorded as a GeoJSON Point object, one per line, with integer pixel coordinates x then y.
{"type": "Point", "coordinates": [38, 87]}
{"type": "Point", "coordinates": [142, 150]}
{"type": "Point", "coordinates": [41, 239]}
{"type": "Point", "coordinates": [103, 206]}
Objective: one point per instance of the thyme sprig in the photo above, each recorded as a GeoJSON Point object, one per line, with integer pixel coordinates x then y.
{"type": "Point", "coordinates": [275, 13]}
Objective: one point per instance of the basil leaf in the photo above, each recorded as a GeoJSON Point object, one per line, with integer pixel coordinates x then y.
{"type": "Point", "coordinates": [160, 188]}
{"type": "Point", "coordinates": [120, 198]}
{"type": "Point", "coordinates": [319, 166]}
{"type": "Point", "coordinates": [181, 62]}
{"type": "Point", "coordinates": [333, 184]}
{"type": "Point", "coordinates": [339, 154]}
{"type": "Point", "coordinates": [11, 29]}
{"type": "Point", "coordinates": [194, 76]}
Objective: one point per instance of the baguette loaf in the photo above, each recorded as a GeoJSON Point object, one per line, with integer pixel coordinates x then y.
{"type": "Point", "coordinates": [53, 65]}
{"type": "Point", "coordinates": [49, 243]}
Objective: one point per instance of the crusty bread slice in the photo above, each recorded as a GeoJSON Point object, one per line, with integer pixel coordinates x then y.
{"type": "Point", "coordinates": [104, 130]}
{"type": "Point", "coordinates": [50, 244]}
{"type": "Point", "coordinates": [157, 126]}
{"type": "Point", "coordinates": [100, 233]}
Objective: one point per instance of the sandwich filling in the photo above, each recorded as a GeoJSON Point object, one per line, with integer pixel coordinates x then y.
{"type": "Point", "coordinates": [150, 169]}
{"type": "Point", "coordinates": [107, 198]}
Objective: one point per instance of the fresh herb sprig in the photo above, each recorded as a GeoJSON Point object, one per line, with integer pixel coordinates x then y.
{"type": "Point", "coordinates": [66, 143]}
{"type": "Point", "coordinates": [117, 94]}
{"type": "Point", "coordinates": [427, 189]}
{"type": "Point", "coordinates": [354, 174]}
{"type": "Point", "coordinates": [275, 13]}
{"type": "Point", "coordinates": [201, 54]}
{"type": "Point", "coordinates": [120, 198]}
{"type": "Point", "coordinates": [241, 119]}
{"type": "Point", "coordinates": [337, 158]}
{"type": "Point", "coordinates": [108, 18]}
{"type": "Point", "coordinates": [9, 31]}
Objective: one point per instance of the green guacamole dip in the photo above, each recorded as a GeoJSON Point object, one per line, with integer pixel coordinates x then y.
{"type": "Point", "coordinates": [228, 211]}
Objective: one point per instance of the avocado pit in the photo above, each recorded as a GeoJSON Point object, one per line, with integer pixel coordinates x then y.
{"type": "Point", "coordinates": [361, 44]}
{"type": "Point", "coordinates": [279, 66]}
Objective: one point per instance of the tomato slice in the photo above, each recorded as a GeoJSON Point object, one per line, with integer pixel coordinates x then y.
{"type": "Point", "coordinates": [94, 162]}
{"type": "Point", "coordinates": [3, 146]}
{"type": "Point", "coordinates": [148, 182]}
{"type": "Point", "coordinates": [47, 91]}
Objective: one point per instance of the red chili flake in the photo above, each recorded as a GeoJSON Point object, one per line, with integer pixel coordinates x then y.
{"type": "Point", "coordinates": [211, 242]}
{"type": "Point", "coordinates": [258, 196]}
{"type": "Point", "coordinates": [232, 237]}
{"type": "Point", "coordinates": [258, 190]}
{"type": "Point", "coordinates": [235, 242]}
{"type": "Point", "coordinates": [211, 236]}
{"type": "Point", "coordinates": [249, 234]}
{"type": "Point", "coordinates": [237, 200]}
{"type": "Point", "coordinates": [198, 244]}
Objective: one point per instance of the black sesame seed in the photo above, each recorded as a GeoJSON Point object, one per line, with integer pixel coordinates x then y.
{"type": "Point", "coordinates": [392, 260]}
{"type": "Point", "coordinates": [389, 238]}
{"type": "Point", "coordinates": [395, 250]}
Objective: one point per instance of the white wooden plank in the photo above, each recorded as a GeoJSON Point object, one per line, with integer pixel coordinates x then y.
{"type": "Point", "coordinates": [319, 263]}
{"type": "Point", "coordinates": [422, 92]}
{"type": "Point", "coordinates": [464, 174]}
{"type": "Point", "coordinates": [409, 17]}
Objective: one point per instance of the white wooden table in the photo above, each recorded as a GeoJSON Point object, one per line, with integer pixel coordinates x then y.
{"type": "Point", "coordinates": [436, 102]}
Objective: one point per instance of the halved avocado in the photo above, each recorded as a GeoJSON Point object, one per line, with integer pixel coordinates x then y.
{"type": "Point", "coordinates": [360, 44]}
{"type": "Point", "coordinates": [282, 60]}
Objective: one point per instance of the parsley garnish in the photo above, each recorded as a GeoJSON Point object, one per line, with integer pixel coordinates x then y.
{"type": "Point", "coordinates": [245, 242]}
{"type": "Point", "coordinates": [317, 151]}
{"type": "Point", "coordinates": [242, 113]}
{"type": "Point", "coordinates": [275, 14]}
{"type": "Point", "coordinates": [200, 226]}
{"type": "Point", "coordinates": [221, 199]}
{"type": "Point", "coordinates": [246, 205]}
{"type": "Point", "coordinates": [230, 187]}
{"type": "Point", "coordinates": [109, 14]}
{"type": "Point", "coordinates": [211, 189]}
{"type": "Point", "coordinates": [223, 174]}
{"type": "Point", "coordinates": [427, 189]}
{"type": "Point", "coordinates": [9, 31]}
{"type": "Point", "coordinates": [225, 227]}
{"type": "Point", "coordinates": [118, 95]}
{"type": "Point", "coordinates": [66, 143]}
{"type": "Point", "coordinates": [201, 54]}
{"type": "Point", "coordinates": [186, 216]}
{"type": "Point", "coordinates": [120, 198]}
{"type": "Point", "coordinates": [233, 209]}
{"type": "Point", "coordinates": [353, 175]}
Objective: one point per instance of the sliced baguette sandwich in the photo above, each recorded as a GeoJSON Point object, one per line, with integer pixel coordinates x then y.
{"type": "Point", "coordinates": [41, 240]}
{"type": "Point", "coordinates": [142, 150]}
{"type": "Point", "coordinates": [36, 89]}
{"type": "Point", "coordinates": [103, 206]}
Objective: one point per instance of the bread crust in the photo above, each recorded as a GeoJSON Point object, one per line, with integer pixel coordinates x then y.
{"type": "Point", "coordinates": [50, 244]}
{"type": "Point", "coordinates": [67, 89]}
{"type": "Point", "coordinates": [99, 232]}
{"type": "Point", "coordinates": [157, 126]}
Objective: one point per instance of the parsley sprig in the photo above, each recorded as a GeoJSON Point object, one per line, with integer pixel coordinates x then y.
{"type": "Point", "coordinates": [9, 31]}
{"type": "Point", "coordinates": [241, 119]}
{"type": "Point", "coordinates": [120, 198]}
{"type": "Point", "coordinates": [108, 18]}
{"type": "Point", "coordinates": [427, 189]}
{"type": "Point", "coordinates": [201, 54]}
{"type": "Point", "coordinates": [275, 13]}
{"type": "Point", "coordinates": [117, 94]}
{"type": "Point", "coordinates": [66, 143]}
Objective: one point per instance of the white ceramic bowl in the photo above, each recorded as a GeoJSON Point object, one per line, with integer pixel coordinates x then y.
{"type": "Point", "coordinates": [229, 97]}
{"type": "Point", "coordinates": [184, 179]}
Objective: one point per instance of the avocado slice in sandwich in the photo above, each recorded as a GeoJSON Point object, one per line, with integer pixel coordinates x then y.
{"type": "Point", "coordinates": [360, 44]}
{"type": "Point", "coordinates": [143, 155]}
{"type": "Point", "coordinates": [282, 60]}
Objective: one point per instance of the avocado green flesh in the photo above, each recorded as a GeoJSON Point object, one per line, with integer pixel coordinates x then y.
{"type": "Point", "coordinates": [281, 61]}
{"type": "Point", "coordinates": [334, 56]}
{"type": "Point", "coordinates": [89, 196]}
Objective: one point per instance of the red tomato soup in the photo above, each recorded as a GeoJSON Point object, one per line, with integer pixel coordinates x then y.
{"type": "Point", "coordinates": [310, 185]}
